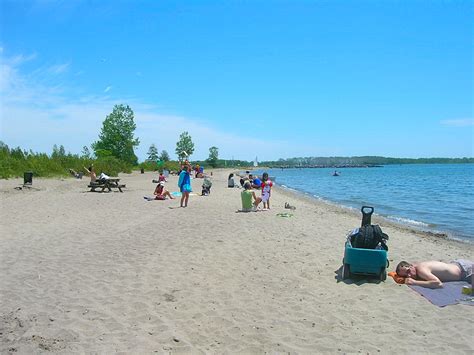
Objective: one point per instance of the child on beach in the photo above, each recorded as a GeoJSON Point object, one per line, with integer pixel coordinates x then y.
{"type": "Point", "coordinates": [266, 190]}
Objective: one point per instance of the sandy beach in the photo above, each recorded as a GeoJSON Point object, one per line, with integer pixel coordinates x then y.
{"type": "Point", "coordinates": [85, 272]}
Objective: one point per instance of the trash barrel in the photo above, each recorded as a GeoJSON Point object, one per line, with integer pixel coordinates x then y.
{"type": "Point", "coordinates": [142, 170]}
{"type": "Point", "coordinates": [28, 178]}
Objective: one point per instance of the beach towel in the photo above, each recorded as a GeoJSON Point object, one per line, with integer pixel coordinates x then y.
{"type": "Point", "coordinates": [396, 278]}
{"type": "Point", "coordinates": [450, 293]}
{"type": "Point", "coordinates": [179, 194]}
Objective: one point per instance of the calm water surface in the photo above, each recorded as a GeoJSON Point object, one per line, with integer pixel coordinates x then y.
{"type": "Point", "coordinates": [434, 197]}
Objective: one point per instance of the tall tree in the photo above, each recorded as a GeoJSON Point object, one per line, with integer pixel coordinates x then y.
{"type": "Point", "coordinates": [116, 135]}
{"type": "Point", "coordinates": [58, 152]}
{"type": "Point", "coordinates": [164, 156]}
{"type": "Point", "coordinates": [86, 154]}
{"type": "Point", "coordinates": [185, 146]}
{"type": "Point", "coordinates": [17, 153]}
{"type": "Point", "coordinates": [62, 151]}
{"type": "Point", "coordinates": [152, 153]}
{"type": "Point", "coordinates": [55, 152]}
{"type": "Point", "coordinates": [213, 156]}
{"type": "Point", "coordinates": [4, 148]}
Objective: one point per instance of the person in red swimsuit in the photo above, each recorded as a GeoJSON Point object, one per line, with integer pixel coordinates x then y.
{"type": "Point", "coordinates": [160, 192]}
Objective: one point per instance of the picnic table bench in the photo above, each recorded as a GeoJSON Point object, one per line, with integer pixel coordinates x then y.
{"type": "Point", "coordinates": [109, 184]}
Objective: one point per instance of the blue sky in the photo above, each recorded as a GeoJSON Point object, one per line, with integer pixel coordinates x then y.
{"type": "Point", "coordinates": [273, 79]}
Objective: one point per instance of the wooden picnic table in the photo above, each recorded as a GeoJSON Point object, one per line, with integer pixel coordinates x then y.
{"type": "Point", "coordinates": [109, 184]}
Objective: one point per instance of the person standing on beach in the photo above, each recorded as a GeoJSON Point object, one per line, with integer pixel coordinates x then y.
{"type": "Point", "coordinates": [184, 183]}
{"type": "Point", "coordinates": [266, 190]}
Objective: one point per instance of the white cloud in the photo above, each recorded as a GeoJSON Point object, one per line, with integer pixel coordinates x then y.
{"type": "Point", "coordinates": [7, 77]}
{"type": "Point", "coordinates": [18, 59]}
{"type": "Point", "coordinates": [465, 122]}
{"type": "Point", "coordinates": [59, 68]}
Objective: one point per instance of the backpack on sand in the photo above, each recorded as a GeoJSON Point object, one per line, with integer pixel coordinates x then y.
{"type": "Point", "coordinates": [368, 236]}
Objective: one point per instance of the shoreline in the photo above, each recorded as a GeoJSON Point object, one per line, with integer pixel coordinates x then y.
{"type": "Point", "coordinates": [448, 231]}
{"type": "Point", "coordinates": [378, 219]}
{"type": "Point", "coordinates": [86, 272]}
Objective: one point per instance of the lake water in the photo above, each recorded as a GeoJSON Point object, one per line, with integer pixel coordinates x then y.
{"type": "Point", "coordinates": [433, 197]}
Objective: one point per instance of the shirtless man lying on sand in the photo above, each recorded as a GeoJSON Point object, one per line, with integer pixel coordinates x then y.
{"type": "Point", "coordinates": [432, 274]}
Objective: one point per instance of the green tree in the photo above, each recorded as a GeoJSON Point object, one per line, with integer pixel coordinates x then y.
{"type": "Point", "coordinates": [185, 146]}
{"type": "Point", "coordinates": [62, 151]}
{"type": "Point", "coordinates": [86, 154]}
{"type": "Point", "coordinates": [55, 152]}
{"type": "Point", "coordinates": [58, 152]}
{"type": "Point", "coordinates": [152, 153]}
{"type": "Point", "coordinates": [164, 156]}
{"type": "Point", "coordinates": [116, 135]}
{"type": "Point", "coordinates": [213, 156]}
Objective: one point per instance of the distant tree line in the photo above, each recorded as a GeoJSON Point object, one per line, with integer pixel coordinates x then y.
{"type": "Point", "coordinates": [359, 161]}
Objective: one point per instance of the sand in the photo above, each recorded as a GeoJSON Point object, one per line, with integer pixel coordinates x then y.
{"type": "Point", "coordinates": [85, 272]}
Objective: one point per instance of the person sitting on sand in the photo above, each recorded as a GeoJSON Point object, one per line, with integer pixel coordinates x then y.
{"type": "Point", "coordinates": [250, 200]}
{"type": "Point", "coordinates": [206, 187]}
{"type": "Point", "coordinates": [77, 175]}
{"type": "Point", "coordinates": [230, 180]}
{"type": "Point", "coordinates": [160, 193]}
{"type": "Point", "coordinates": [432, 274]}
